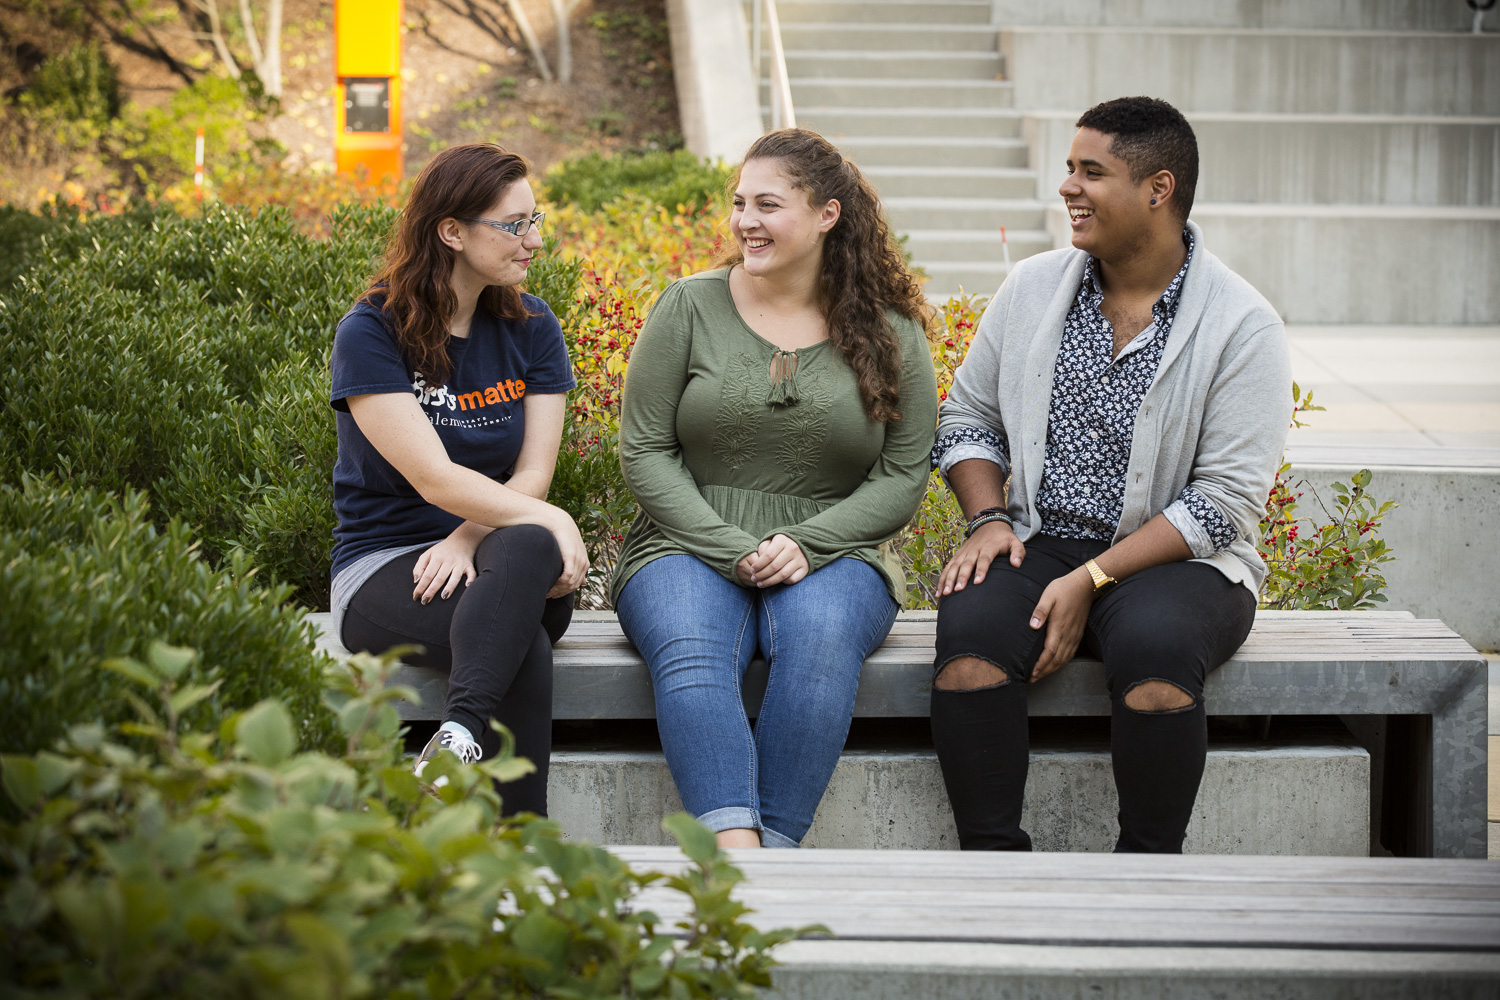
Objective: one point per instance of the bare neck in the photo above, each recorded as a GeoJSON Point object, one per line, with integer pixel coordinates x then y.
{"type": "Point", "coordinates": [784, 294]}
{"type": "Point", "coordinates": [467, 287]}
{"type": "Point", "coordinates": [1147, 269]}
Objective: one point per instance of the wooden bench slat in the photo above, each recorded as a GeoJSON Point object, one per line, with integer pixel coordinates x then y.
{"type": "Point", "coordinates": [1371, 904]}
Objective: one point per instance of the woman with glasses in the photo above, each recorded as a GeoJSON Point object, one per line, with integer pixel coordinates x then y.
{"type": "Point", "coordinates": [449, 384]}
{"type": "Point", "coordinates": [777, 420]}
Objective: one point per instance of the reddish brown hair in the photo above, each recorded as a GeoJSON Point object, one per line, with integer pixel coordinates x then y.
{"type": "Point", "coordinates": [412, 286]}
{"type": "Point", "coordinates": [863, 272]}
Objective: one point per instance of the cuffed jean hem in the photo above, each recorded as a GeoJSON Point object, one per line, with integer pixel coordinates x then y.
{"type": "Point", "coordinates": [731, 818]}
{"type": "Point", "coordinates": [770, 838]}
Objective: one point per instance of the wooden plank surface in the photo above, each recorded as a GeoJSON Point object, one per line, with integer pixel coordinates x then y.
{"type": "Point", "coordinates": [1372, 904]}
{"type": "Point", "coordinates": [1282, 637]}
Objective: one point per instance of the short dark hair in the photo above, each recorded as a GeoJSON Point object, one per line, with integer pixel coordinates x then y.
{"type": "Point", "coordinates": [1149, 135]}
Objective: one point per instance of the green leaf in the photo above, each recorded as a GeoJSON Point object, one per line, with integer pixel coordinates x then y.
{"type": "Point", "coordinates": [133, 670]}
{"type": "Point", "coordinates": [266, 735]}
{"type": "Point", "coordinates": [696, 840]}
{"type": "Point", "coordinates": [22, 780]}
{"type": "Point", "coordinates": [170, 661]}
{"type": "Point", "coordinates": [54, 772]}
{"type": "Point", "coordinates": [192, 695]}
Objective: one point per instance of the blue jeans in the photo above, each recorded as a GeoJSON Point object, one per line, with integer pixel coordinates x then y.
{"type": "Point", "coordinates": [698, 633]}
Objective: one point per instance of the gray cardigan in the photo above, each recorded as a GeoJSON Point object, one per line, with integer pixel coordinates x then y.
{"type": "Point", "coordinates": [1216, 416]}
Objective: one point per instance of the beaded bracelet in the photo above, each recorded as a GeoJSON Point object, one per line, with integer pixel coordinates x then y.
{"type": "Point", "coordinates": [984, 519]}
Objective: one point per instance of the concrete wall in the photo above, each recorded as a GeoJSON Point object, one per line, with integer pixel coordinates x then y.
{"type": "Point", "coordinates": [1444, 536]}
{"type": "Point", "coordinates": [1329, 159]}
{"type": "Point", "coordinates": [1265, 799]}
{"type": "Point", "coordinates": [1258, 71]}
{"type": "Point", "coordinates": [1344, 15]}
{"type": "Point", "coordinates": [1379, 264]}
{"type": "Point", "coordinates": [716, 94]}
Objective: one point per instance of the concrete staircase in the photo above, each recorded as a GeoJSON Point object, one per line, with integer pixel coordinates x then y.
{"type": "Point", "coordinates": [912, 92]}
{"type": "Point", "coordinates": [1351, 150]}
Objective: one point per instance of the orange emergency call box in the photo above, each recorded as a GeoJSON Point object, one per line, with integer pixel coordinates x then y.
{"type": "Point", "coordinates": [367, 61]}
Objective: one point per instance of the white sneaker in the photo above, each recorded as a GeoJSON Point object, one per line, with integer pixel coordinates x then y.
{"type": "Point", "coordinates": [466, 750]}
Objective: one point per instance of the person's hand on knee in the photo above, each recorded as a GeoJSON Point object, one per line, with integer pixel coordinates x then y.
{"type": "Point", "coordinates": [978, 551]}
{"type": "Point", "coordinates": [1064, 612]}
{"type": "Point", "coordinates": [442, 567]}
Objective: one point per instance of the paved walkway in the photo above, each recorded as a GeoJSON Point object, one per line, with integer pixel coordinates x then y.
{"type": "Point", "coordinates": [1397, 388]}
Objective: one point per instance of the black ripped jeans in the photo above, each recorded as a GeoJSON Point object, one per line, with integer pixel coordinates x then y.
{"type": "Point", "coordinates": [493, 636]}
{"type": "Point", "coordinates": [1174, 623]}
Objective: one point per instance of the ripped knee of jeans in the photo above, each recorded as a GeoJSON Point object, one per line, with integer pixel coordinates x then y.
{"type": "Point", "coordinates": [969, 673]}
{"type": "Point", "coordinates": [1154, 696]}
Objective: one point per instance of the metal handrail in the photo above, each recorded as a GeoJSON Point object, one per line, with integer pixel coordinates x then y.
{"type": "Point", "coordinates": [782, 113]}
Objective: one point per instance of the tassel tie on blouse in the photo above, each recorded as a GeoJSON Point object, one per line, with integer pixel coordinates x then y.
{"type": "Point", "coordinates": [783, 379]}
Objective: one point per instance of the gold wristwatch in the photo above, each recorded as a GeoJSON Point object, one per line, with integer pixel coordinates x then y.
{"type": "Point", "coordinates": [1101, 578]}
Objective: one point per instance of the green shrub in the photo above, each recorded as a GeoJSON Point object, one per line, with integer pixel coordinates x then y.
{"type": "Point", "coordinates": [554, 279]}
{"type": "Point", "coordinates": [87, 577]}
{"type": "Point", "coordinates": [21, 236]}
{"type": "Point", "coordinates": [188, 358]}
{"type": "Point", "coordinates": [80, 84]}
{"type": "Point", "coordinates": [667, 179]}
{"type": "Point", "coordinates": [227, 863]}
{"type": "Point", "coordinates": [158, 144]}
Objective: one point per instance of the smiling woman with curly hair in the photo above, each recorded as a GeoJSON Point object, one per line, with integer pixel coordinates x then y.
{"type": "Point", "coordinates": [776, 425]}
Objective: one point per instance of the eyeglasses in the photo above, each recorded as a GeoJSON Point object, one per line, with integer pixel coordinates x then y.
{"type": "Point", "coordinates": [518, 228]}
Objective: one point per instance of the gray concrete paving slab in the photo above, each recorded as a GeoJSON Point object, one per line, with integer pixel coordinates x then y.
{"type": "Point", "coordinates": [1399, 386]}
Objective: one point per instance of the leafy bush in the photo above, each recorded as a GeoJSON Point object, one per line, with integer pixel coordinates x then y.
{"type": "Point", "coordinates": [88, 577]}
{"type": "Point", "coordinates": [667, 179]}
{"type": "Point", "coordinates": [21, 236]}
{"type": "Point", "coordinates": [80, 84]}
{"type": "Point", "coordinates": [188, 358]}
{"type": "Point", "coordinates": [158, 143]}
{"type": "Point", "coordinates": [227, 863]}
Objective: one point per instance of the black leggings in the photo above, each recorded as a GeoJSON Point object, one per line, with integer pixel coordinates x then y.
{"type": "Point", "coordinates": [494, 637]}
{"type": "Point", "coordinates": [1174, 623]}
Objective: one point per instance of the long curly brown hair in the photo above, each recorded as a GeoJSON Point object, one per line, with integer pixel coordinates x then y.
{"type": "Point", "coordinates": [412, 286]}
{"type": "Point", "coordinates": [863, 273]}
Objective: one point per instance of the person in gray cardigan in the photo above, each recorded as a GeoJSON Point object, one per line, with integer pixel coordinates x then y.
{"type": "Point", "coordinates": [1136, 395]}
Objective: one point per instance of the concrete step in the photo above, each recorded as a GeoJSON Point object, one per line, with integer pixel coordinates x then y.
{"type": "Point", "coordinates": [1327, 159]}
{"type": "Point", "coordinates": [1272, 798]}
{"type": "Point", "coordinates": [1357, 263]}
{"type": "Point", "coordinates": [1373, 72]}
{"type": "Point", "coordinates": [939, 246]}
{"type": "Point", "coordinates": [882, 11]}
{"type": "Point", "coordinates": [952, 182]}
{"type": "Point", "coordinates": [934, 36]}
{"type": "Point", "coordinates": [910, 123]}
{"type": "Point", "coordinates": [905, 214]}
{"type": "Point", "coordinates": [882, 92]}
{"type": "Point", "coordinates": [947, 279]}
{"type": "Point", "coordinates": [909, 64]}
{"type": "Point", "coordinates": [1341, 15]}
{"type": "Point", "coordinates": [883, 151]}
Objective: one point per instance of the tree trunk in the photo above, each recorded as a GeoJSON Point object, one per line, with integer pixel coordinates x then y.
{"type": "Point", "coordinates": [524, 23]}
{"type": "Point", "coordinates": [560, 11]}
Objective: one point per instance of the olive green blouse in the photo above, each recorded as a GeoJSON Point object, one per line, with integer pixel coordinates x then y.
{"type": "Point", "coordinates": [726, 440]}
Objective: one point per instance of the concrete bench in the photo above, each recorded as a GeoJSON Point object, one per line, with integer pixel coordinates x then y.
{"type": "Point", "coordinates": [1412, 691]}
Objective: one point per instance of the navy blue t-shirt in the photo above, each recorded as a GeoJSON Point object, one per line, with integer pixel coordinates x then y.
{"type": "Point", "coordinates": [478, 417]}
